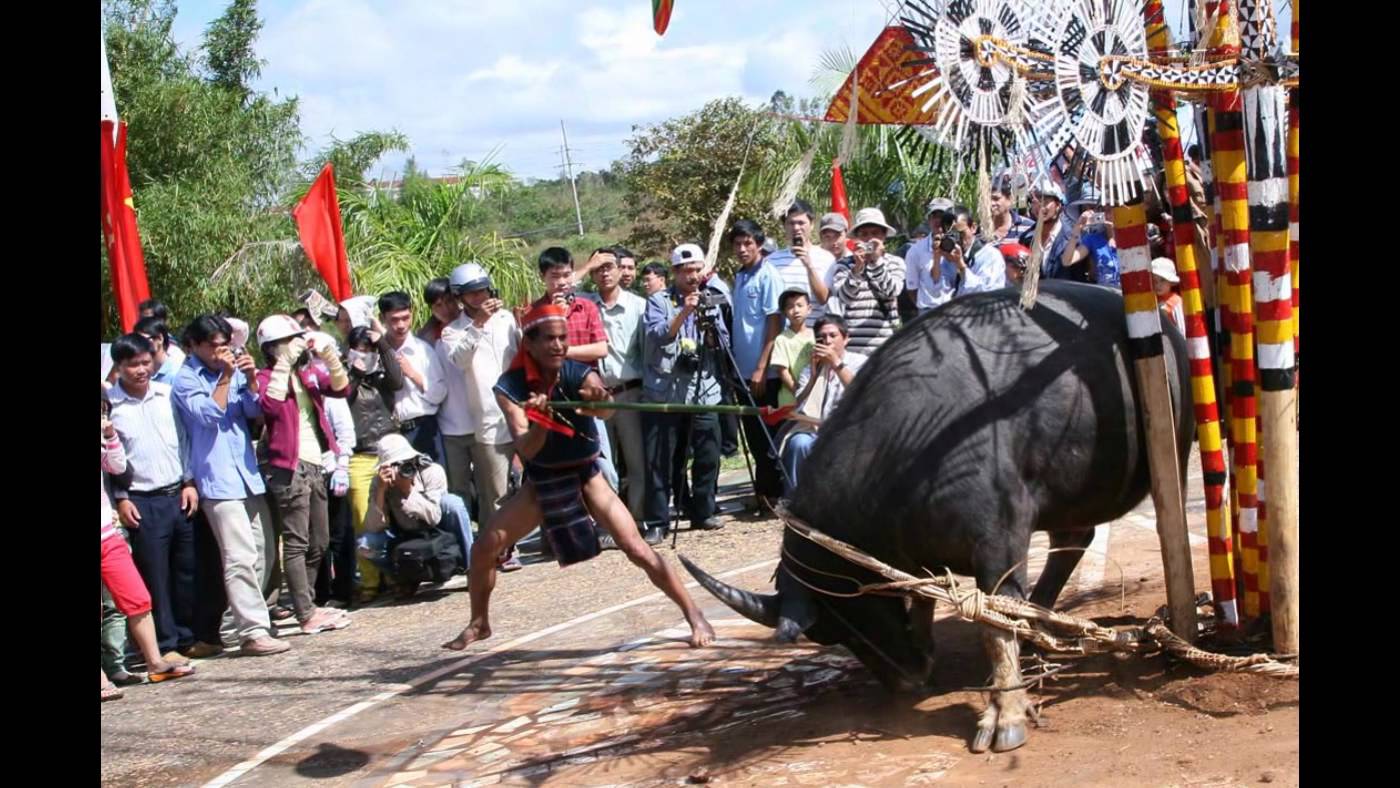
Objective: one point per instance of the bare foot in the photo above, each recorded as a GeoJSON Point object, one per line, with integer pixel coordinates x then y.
{"type": "Point", "coordinates": [470, 635]}
{"type": "Point", "coordinates": [701, 633]}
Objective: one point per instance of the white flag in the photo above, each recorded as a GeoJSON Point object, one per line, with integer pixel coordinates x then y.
{"type": "Point", "coordinates": [109, 99]}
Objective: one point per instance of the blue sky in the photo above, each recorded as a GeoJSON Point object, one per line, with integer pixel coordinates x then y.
{"type": "Point", "coordinates": [463, 78]}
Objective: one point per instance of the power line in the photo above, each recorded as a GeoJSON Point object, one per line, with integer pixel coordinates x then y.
{"type": "Point", "coordinates": [569, 172]}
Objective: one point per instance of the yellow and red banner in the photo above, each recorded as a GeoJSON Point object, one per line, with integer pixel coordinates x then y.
{"type": "Point", "coordinates": [886, 84]}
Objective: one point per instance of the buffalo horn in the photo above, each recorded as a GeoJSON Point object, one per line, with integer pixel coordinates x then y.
{"type": "Point", "coordinates": [758, 608]}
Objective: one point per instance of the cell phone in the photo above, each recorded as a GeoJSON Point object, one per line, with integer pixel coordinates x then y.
{"type": "Point", "coordinates": [106, 407]}
{"type": "Point", "coordinates": [492, 292]}
{"type": "Point", "coordinates": [799, 240]}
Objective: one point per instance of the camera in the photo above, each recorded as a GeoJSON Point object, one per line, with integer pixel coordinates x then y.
{"type": "Point", "coordinates": [687, 361]}
{"type": "Point", "coordinates": [407, 468]}
{"type": "Point", "coordinates": [865, 247]}
{"type": "Point", "coordinates": [492, 292]}
{"type": "Point", "coordinates": [946, 244]}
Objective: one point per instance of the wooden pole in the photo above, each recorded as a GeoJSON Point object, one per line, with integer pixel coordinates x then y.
{"type": "Point", "coordinates": [1154, 396]}
{"type": "Point", "coordinates": [1265, 119]}
{"type": "Point", "coordinates": [1222, 570]}
{"type": "Point", "coordinates": [1237, 302]}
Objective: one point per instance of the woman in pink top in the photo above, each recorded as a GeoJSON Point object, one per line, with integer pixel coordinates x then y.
{"type": "Point", "coordinates": [124, 582]}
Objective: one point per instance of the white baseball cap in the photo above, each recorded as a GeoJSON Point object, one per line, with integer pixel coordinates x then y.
{"type": "Point", "coordinates": [278, 327]}
{"type": "Point", "coordinates": [687, 253]}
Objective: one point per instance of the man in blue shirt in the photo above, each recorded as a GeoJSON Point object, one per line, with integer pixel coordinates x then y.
{"type": "Point", "coordinates": [683, 364]}
{"type": "Point", "coordinates": [563, 487]}
{"type": "Point", "coordinates": [758, 321]}
{"type": "Point", "coordinates": [215, 406]}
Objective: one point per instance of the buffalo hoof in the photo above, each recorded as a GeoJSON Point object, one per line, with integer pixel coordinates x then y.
{"type": "Point", "coordinates": [1010, 737]}
{"type": "Point", "coordinates": [982, 741]}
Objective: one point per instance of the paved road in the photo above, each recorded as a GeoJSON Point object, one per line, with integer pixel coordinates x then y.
{"type": "Point", "coordinates": [585, 662]}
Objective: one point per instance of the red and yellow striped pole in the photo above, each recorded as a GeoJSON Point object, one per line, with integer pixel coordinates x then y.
{"type": "Point", "coordinates": [1228, 158]}
{"type": "Point", "coordinates": [1293, 189]}
{"type": "Point", "coordinates": [1222, 570]}
{"type": "Point", "coordinates": [1265, 119]}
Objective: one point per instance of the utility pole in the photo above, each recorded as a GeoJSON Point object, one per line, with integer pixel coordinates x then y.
{"type": "Point", "coordinates": [569, 173]}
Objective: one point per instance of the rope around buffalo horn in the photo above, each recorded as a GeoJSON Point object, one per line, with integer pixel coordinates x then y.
{"type": "Point", "coordinates": [1017, 615]}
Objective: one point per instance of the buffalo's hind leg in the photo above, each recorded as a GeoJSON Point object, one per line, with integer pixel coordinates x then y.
{"type": "Point", "coordinates": [1060, 564]}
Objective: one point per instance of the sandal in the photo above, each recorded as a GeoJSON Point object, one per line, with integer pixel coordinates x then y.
{"type": "Point", "coordinates": [171, 673]}
{"type": "Point", "coordinates": [112, 692]}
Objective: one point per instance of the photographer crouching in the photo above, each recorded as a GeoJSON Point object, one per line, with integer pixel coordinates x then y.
{"type": "Point", "coordinates": [415, 529]}
{"type": "Point", "coordinates": [685, 348]}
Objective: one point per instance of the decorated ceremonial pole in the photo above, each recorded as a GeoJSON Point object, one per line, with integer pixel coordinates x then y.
{"type": "Point", "coordinates": [1150, 366]}
{"type": "Point", "coordinates": [1237, 302]}
{"type": "Point", "coordinates": [1222, 572]}
{"type": "Point", "coordinates": [1293, 194]}
{"type": "Point", "coordinates": [1265, 126]}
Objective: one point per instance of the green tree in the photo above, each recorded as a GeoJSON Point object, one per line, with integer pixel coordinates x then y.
{"type": "Point", "coordinates": [678, 173]}
{"type": "Point", "coordinates": [208, 160]}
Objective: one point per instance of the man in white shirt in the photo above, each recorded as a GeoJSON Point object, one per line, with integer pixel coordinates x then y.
{"type": "Point", "coordinates": [980, 267]}
{"type": "Point", "coordinates": [621, 369]}
{"type": "Point", "coordinates": [821, 385]}
{"type": "Point", "coordinates": [480, 343]}
{"type": "Point", "coordinates": [453, 421]}
{"type": "Point", "coordinates": [928, 276]}
{"type": "Point", "coordinates": [803, 263]}
{"type": "Point", "coordinates": [156, 496]}
{"type": "Point", "coordinates": [425, 384]}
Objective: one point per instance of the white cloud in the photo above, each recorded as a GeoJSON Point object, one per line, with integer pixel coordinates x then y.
{"type": "Point", "coordinates": [464, 78]}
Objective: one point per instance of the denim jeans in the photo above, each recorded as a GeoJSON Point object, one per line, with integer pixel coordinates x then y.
{"type": "Point", "coordinates": [795, 452]}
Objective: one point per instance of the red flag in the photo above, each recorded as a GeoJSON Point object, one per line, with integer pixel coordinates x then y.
{"type": "Point", "coordinates": [318, 223]}
{"type": "Point", "coordinates": [838, 193]}
{"type": "Point", "coordinates": [119, 228]}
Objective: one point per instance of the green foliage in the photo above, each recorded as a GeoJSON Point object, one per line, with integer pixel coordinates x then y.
{"type": "Point", "coordinates": [679, 173]}
{"type": "Point", "coordinates": [208, 160]}
{"type": "Point", "coordinates": [228, 45]}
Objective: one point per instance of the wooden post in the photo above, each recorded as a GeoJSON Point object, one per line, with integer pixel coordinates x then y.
{"type": "Point", "coordinates": [1155, 404]}
{"type": "Point", "coordinates": [1281, 458]}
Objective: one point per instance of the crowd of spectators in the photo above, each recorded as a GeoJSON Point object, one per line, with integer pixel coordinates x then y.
{"type": "Point", "coordinates": [353, 465]}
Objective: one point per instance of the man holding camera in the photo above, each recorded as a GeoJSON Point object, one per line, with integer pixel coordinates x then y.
{"type": "Point", "coordinates": [480, 343]}
{"type": "Point", "coordinates": [686, 347]}
{"type": "Point", "coordinates": [867, 284]}
{"type": "Point", "coordinates": [804, 264]}
{"type": "Point", "coordinates": [929, 277]}
{"type": "Point", "coordinates": [409, 500]}
{"type": "Point", "coordinates": [821, 385]}
{"type": "Point", "coordinates": [980, 267]}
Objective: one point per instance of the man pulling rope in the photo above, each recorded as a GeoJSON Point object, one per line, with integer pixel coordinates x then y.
{"type": "Point", "coordinates": [563, 488]}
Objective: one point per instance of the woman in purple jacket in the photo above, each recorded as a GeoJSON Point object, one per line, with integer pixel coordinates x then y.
{"type": "Point", "coordinates": [291, 393]}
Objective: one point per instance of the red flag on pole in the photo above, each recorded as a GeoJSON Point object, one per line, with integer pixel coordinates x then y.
{"type": "Point", "coordinates": [838, 193]}
{"type": "Point", "coordinates": [318, 223]}
{"type": "Point", "coordinates": [119, 228]}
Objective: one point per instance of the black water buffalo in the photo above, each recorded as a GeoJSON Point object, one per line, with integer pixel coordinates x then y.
{"type": "Point", "coordinates": [974, 426]}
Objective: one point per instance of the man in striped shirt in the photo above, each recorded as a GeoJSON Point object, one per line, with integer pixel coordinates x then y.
{"type": "Point", "coordinates": [804, 264]}
{"type": "Point", "coordinates": [867, 284]}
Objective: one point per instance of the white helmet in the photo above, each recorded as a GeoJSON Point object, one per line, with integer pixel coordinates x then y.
{"type": "Point", "coordinates": [468, 277]}
{"type": "Point", "coordinates": [277, 327]}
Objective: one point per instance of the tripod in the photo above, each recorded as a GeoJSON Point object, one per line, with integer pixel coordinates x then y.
{"type": "Point", "coordinates": [715, 356]}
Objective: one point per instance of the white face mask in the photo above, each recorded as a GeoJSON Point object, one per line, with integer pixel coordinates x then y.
{"type": "Point", "coordinates": [367, 363]}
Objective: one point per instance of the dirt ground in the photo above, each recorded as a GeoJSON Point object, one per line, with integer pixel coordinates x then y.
{"type": "Point", "coordinates": [603, 694]}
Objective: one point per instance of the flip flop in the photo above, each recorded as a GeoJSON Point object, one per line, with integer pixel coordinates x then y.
{"type": "Point", "coordinates": [112, 692]}
{"type": "Point", "coordinates": [170, 674]}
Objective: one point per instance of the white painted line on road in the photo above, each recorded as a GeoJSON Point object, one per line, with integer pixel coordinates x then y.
{"type": "Point", "coordinates": [273, 751]}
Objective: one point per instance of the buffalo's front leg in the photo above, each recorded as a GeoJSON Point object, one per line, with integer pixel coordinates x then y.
{"type": "Point", "coordinates": [1003, 725]}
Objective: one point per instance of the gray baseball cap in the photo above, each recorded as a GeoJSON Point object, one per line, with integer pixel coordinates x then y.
{"type": "Point", "coordinates": [833, 221]}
